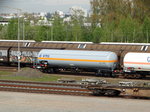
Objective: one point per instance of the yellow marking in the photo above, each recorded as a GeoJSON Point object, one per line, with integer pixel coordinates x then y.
{"type": "Point", "coordinates": [140, 63]}
{"type": "Point", "coordinates": [86, 60]}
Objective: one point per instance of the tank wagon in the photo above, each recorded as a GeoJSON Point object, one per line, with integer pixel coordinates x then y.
{"type": "Point", "coordinates": [137, 63]}
{"type": "Point", "coordinates": [101, 62]}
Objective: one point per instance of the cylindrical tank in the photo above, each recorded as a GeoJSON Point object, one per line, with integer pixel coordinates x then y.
{"type": "Point", "coordinates": [137, 61]}
{"type": "Point", "coordinates": [78, 58]}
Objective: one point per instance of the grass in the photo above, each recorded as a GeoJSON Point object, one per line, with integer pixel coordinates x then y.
{"type": "Point", "coordinates": [43, 78]}
{"type": "Point", "coordinates": [5, 73]}
{"type": "Point", "coordinates": [24, 78]}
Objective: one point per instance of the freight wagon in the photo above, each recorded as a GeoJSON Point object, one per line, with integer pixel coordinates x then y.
{"type": "Point", "coordinates": [101, 62]}
{"type": "Point", "coordinates": [28, 52]}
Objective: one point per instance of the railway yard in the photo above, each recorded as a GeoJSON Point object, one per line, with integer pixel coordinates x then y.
{"type": "Point", "coordinates": [71, 84]}
{"type": "Point", "coordinates": [69, 88]}
{"type": "Point", "coordinates": [75, 56]}
{"type": "Point", "coordinates": [70, 93]}
{"type": "Point", "coordinates": [113, 57]}
{"type": "Point", "coordinates": [76, 89]}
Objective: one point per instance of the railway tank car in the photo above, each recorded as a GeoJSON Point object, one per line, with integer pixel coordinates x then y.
{"type": "Point", "coordinates": [101, 62]}
{"type": "Point", "coordinates": [137, 63]}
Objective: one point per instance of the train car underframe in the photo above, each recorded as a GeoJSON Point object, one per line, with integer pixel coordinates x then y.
{"type": "Point", "coordinates": [46, 68]}
{"type": "Point", "coordinates": [135, 74]}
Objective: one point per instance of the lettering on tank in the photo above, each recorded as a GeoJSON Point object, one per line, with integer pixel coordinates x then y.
{"type": "Point", "coordinates": [148, 59]}
{"type": "Point", "coordinates": [44, 55]}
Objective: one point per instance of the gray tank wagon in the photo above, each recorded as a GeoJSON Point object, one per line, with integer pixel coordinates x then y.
{"type": "Point", "coordinates": [101, 62]}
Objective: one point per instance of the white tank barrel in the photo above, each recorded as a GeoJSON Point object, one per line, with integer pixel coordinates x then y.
{"type": "Point", "coordinates": [137, 61]}
{"type": "Point", "coordinates": [78, 58]}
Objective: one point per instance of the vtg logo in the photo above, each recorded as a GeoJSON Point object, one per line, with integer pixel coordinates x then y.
{"type": "Point", "coordinates": [40, 55]}
{"type": "Point", "coordinates": [148, 59]}
{"type": "Point", "coordinates": [44, 55]}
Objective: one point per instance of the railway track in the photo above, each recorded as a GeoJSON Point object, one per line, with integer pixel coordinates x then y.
{"type": "Point", "coordinates": [88, 74]}
{"type": "Point", "coordinates": [55, 88]}
{"type": "Point", "coordinates": [8, 68]}
{"type": "Point", "coordinates": [47, 88]}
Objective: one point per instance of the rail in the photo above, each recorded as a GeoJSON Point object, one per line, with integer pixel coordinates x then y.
{"type": "Point", "coordinates": [74, 89]}
{"type": "Point", "coordinates": [47, 88]}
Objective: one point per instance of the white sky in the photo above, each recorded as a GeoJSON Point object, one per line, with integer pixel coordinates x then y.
{"type": "Point", "coordinates": [43, 5]}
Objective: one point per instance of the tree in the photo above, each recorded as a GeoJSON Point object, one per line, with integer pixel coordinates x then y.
{"type": "Point", "coordinates": [97, 34]}
{"type": "Point", "coordinates": [76, 32]}
{"type": "Point", "coordinates": [146, 4]}
{"type": "Point", "coordinates": [77, 15]}
{"type": "Point", "coordinates": [146, 29]}
{"type": "Point", "coordinates": [1, 18]}
{"type": "Point", "coordinates": [97, 7]}
{"type": "Point", "coordinates": [77, 23]}
{"type": "Point", "coordinates": [58, 28]}
{"type": "Point", "coordinates": [120, 19]}
{"type": "Point", "coordinates": [1, 27]}
{"type": "Point", "coordinates": [87, 33]}
{"type": "Point", "coordinates": [129, 28]}
{"type": "Point", "coordinates": [41, 33]}
{"type": "Point", "coordinates": [3, 32]}
{"type": "Point", "coordinates": [67, 31]}
{"type": "Point", "coordinates": [112, 9]}
{"type": "Point", "coordinates": [13, 29]}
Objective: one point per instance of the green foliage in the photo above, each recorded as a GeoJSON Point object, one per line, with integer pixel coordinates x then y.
{"type": "Point", "coordinates": [30, 32]}
{"type": "Point", "coordinates": [87, 34]}
{"type": "Point", "coordinates": [146, 29]}
{"type": "Point", "coordinates": [76, 32]}
{"type": "Point", "coordinates": [3, 32]}
{"type": "Point", "coordinates": [1, 18]}
{"type": "Point", "coordinates": [110, 21]}
{"type": "Point", "coordinates": [122, 20]}
{"type": "Point", "coordinates": [41, 33]}
{"type": "Point", "coordinates": [12, 29]}
{"type": "Point", "coordinates": [1, 27]}
{"type": "Point", "coordinates": [97, 33]}
{"type": "Point", "coordinates": [58, 28]}
{"type": "Point", "coordinates": [127, 26]}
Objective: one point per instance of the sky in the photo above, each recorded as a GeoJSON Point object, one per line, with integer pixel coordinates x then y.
{"type": "Point", "coordinates": [42, 5]}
